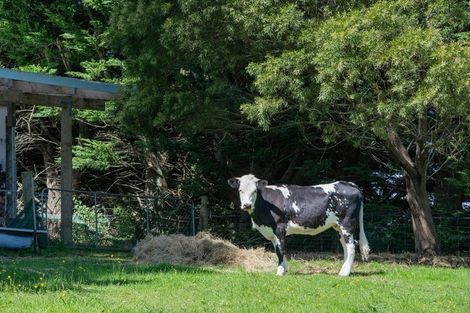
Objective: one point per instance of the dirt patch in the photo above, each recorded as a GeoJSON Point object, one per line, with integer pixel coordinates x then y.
{"type": "Point", "coordinates": [308, 268]}
{"type": "Point", "coordinates": [451, 261]}
{"type": "Point", "coordinates": [201, 250]}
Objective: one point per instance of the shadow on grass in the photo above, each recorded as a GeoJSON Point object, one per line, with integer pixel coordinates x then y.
{"type": "Point", "coordinates": [60, 251]}
{"type": "Point", "coordinates": [369, 273]}
{"type": "Point", "coordinates": [76, 272]}
{"type": "Point", "coordinates": [165, 268]}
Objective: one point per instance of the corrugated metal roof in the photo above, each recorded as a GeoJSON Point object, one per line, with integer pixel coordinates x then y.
{"type": "Point", "coordinates": [54, 80]}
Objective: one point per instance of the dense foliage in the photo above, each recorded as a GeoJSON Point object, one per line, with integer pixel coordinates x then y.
{"type": "Point", "coordinates": [389, 78]}
{"type": "Point", "coordinates": [294, 91]}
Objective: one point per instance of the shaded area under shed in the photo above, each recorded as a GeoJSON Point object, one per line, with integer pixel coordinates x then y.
{"type": "Point", "coordinates": [26, 88]}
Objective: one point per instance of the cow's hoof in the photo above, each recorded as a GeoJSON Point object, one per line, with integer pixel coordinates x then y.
{"type": "Point", "coordinates": [343, 274]}
{"type": "Point", "coordinates": [281, 271]}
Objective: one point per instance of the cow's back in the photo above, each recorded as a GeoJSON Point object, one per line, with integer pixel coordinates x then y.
{"type": "Point", "coordinates": [309, 206]}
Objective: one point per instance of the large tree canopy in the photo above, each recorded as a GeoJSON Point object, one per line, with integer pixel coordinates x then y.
{"type": "Point", "coordinates": [389, 76]}
{"type": "Point", "coordinates": [395, 73]}
{"type": "Point", "coordinates": [188, 61]}
{"type": "Point", "coordinates": [294, 91]}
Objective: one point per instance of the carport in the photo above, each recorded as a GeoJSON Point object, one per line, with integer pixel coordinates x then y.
{"type": "Point", "coordinates": [26, 88]}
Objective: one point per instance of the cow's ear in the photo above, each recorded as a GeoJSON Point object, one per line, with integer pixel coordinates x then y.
{"type": "Point", "coordinates": [233, 182]}
{"type": "Point", "coordinates": [261, 183]}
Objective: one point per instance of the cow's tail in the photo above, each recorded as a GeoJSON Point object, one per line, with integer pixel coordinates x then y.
{"type": "Point", "coordinates": [363, 243]}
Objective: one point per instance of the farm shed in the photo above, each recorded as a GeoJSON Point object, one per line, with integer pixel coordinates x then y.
{"type": "Point", "coordinates": [26, 88]}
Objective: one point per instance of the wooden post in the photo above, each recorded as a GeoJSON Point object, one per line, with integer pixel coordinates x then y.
{"type": "Point", "coordinates": [28, 193]}
{"type": "Point", "coordinates": [11, 160]}
{"type": "Point", "coordinates": [66, 210]}
{"type": "Point", "coordinates": [3, 138]}
{"type": "Point", "coordinates": [29, 205]}
{"type": "Point", "coordinates": [204, 214]}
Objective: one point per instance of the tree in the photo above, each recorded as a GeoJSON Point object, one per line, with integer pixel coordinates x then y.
{"type": "Point", "coordinates": [188, 60]}
{"type": "Point", "coordinates": [395, 73]}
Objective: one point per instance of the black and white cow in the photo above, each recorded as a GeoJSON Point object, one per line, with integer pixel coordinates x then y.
{"type": "Point", "coordinates": [280, 210]}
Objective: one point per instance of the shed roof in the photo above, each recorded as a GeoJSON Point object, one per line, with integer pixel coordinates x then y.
{"type": "Point", "coordinates": [35, 88]}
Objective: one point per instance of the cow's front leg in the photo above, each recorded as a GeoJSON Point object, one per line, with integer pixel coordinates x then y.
{"type": "Point", "coordinates": [279, 246]}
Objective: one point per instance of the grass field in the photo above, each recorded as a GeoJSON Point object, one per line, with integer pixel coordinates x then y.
{"type": "Point", "coordinates": [79, 281]}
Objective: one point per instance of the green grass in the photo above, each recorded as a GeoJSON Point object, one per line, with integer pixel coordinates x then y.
{"type": "Point", "coordinates": [78, 281]}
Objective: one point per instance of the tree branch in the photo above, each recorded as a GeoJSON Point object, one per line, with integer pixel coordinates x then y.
{"type": "Point", "coordinates": [399, 152]}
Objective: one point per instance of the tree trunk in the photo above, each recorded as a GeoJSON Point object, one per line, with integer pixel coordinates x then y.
{"type": "Point", "coordinates": [155, 181]}
{"type": "Point", "coordinates": [426, 242]}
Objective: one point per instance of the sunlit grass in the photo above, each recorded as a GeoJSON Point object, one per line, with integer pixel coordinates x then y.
{"type": "Point", "coordinates": [62, 281]}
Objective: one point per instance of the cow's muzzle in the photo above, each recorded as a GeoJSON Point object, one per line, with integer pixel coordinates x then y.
{"type": "Point", "coordinates": [246, 206]}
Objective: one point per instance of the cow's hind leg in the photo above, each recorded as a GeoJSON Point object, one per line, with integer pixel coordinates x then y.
{"type": "Point", "coordinates": [343, 242]}
{"type": "Point", "coordinates": [279, 246]}
{"type": "Point", "coordinates": [349, 247]}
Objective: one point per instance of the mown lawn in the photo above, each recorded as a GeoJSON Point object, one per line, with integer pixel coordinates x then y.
{"type": "Point", "coordinates": [78, 281]}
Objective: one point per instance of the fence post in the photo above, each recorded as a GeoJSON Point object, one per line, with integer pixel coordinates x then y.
{"type": "Point", "coordinates": [6, 195]}
{"type": "Point", "coordinates": [204, 214]}
{"type": "Point", "coordinates": [66, 170]}
{"type": "Point", "coordinates": [458, 236]}
{"type": "Point", "coordinates": [28, 192]}
{"type": "Point", "coordinates": [43, 207]}
{"type": "Point", "coordinates": [193, 220]}
{"type": "Point", "coordinates": [11, 183]}
{"type": "Point", "coordinates": [97, 235]}
{"type": "Point", "coordinates": [29, 205]}
{"type": "Point", "coordinates": [147, 222]}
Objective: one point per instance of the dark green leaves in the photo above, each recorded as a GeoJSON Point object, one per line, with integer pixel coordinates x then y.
{"type": "Point", "coordinates": [94, 155]}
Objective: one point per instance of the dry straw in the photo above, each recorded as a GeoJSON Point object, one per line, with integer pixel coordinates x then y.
{"type": "Point", "coordinates": [201, 250]}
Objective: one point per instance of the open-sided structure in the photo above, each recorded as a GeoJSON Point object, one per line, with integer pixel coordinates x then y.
{"type": "Point", "coordinates": [18, 87]}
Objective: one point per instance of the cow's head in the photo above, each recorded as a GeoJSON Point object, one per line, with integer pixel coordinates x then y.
{"type": "Point", "coordinates": [247, 186]}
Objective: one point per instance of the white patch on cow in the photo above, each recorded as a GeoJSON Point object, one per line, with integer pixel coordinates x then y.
{"type": "Point", "coordinates": [343, 244]}
{"type": "Point", "coordinates": [284, 263]}
{"type": "Point", "coordinates": [276, 242]}
{"type": "Point", "coordinates": [295, 207]}
{"type": "Point", "coordinates": [328, 188]}
{"type": "Point", "coordinates": [349, 252]}
{"type": "Point", "coordinates": [282, 269]}
{"type": "Point", "coordinates": [296, 229]}
{"type": "Point", "coordinates": [347, 265]}
{"type": "Point", "coordinates": [266, 231]}
{"type": "Point", "coordinates": [284, 190]}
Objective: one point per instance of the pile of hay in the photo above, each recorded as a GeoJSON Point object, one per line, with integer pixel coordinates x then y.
{"type": "Point", "coordinates": [201, 250]}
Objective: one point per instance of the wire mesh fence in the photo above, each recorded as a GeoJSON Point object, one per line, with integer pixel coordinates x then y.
{"type": "Point", "coordinates": [14, 214]}
{"type": "Point", "coordinates": [22, 222]}
{"type": "Point", "coordinates": [387, 231]}
{"type": "Point", "coordinates": [118, 221]}
{"type": "Point", "coordinates": [7, 209]}
{"type": "Point", "coordinates": [108, 220]}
